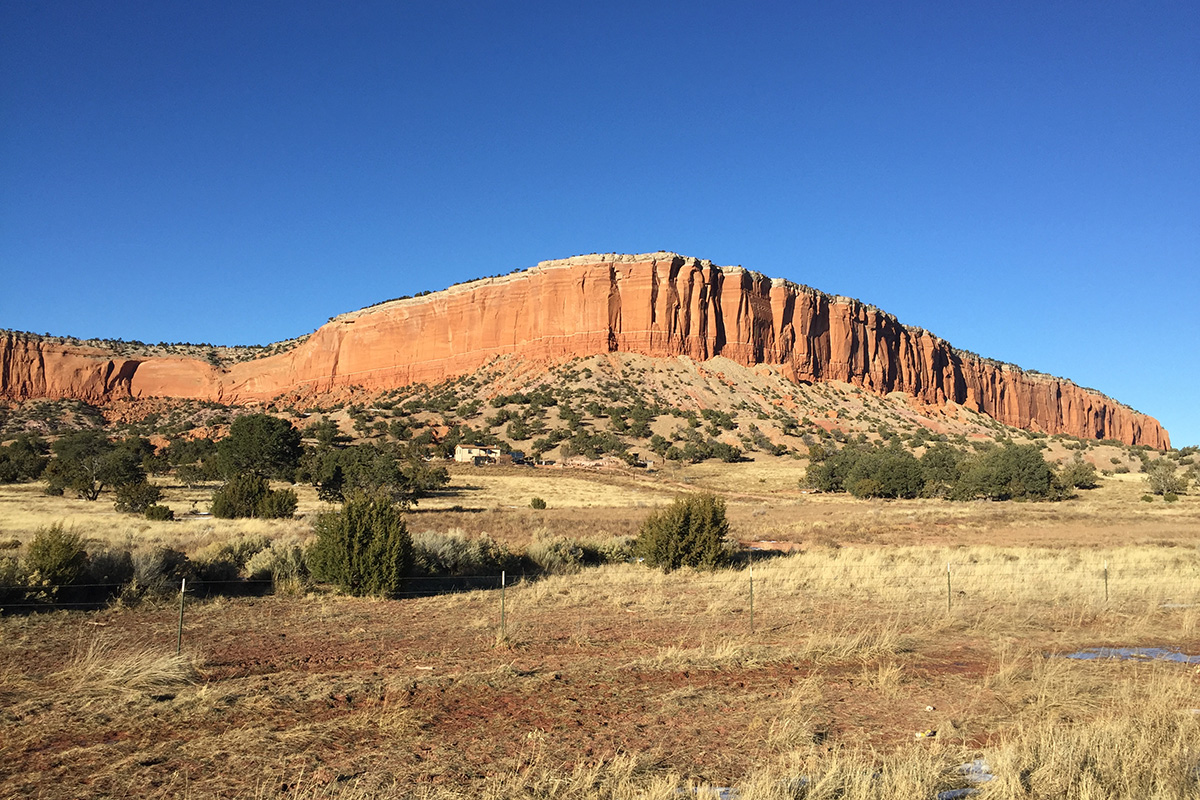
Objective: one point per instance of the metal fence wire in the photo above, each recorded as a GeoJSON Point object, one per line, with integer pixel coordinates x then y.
{"type": "Point", "coordinates": [764, 586]}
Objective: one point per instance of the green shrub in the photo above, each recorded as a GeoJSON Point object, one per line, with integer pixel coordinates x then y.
{"type": "Point", "coordinates": [363, 548]}
{"type": "Point", "coordinates": [556, 555]}
{"type": "Point", "coordinates": [1170, 497]}
{"type": "Point", "coordinates": [12, 580]}
{"type": "Point", "coordinates": [885, 473]}
{"type": "Point", "coordinates": [135, 498]}
{"type": "Point", "coordinates": [159, 513]}
{"type": "Point", "coordinates": [23, 460]}
{"type": "Point", "coordinates": [690, 533]}
{"type": "Point", "coordinates": [1080, 474]}
{"type": "Point", "coordinates": [1161, 478]}
{"type": "Point", "coordinates": [1011, 472]}
{"type": "Point", "coordinates": [283, 564]}
{"type": "Point", "coordinates": [157, 573]}
{"type": "Point", "coordinates": [56, 557]}
{"type": "Point", "coordinates": [262, 445]}
{"type": "Point", "coordinates": [250, 495]}
{"type": "Point", "coordinates": [537, 503]}
{"type": "Point", "coordinates": [111, 569]}
{"type": "Point", "coordinates": [942, 465]}
{"type": "Point", "coordinates": [88, 463]}
{"type": "Point", "coordinates": [277, 504]}
{"type": "Point", "coordinates": [454, 553]}
{"type": "Point", "coordinates": [1147, 498]}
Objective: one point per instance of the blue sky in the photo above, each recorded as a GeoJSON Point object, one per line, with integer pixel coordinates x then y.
{"type": "Point", "coordinates": [1022, 179]}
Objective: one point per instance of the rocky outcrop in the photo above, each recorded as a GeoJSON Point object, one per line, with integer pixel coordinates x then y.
{"type": "Point", "coordinates": [658, 304]}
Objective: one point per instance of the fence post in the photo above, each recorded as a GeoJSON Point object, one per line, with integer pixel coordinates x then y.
{"type": "Point", "coordinates": [1106, 582]}
{"type": "Point", "coordinates": [179, 637]}
{"type": "Point", "coordinates": [752, 592]}
{"type": "Point", "coordinates": [503, 627]}
{"type": "Point", "coordinates": [947, 587]}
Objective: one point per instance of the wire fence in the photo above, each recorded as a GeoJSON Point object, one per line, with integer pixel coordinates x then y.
{"type": "Point", "coordinates": [773, 583]}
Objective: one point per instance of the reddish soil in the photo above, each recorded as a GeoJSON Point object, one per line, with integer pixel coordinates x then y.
{"type": "Point", "coordinates": [416, 691]}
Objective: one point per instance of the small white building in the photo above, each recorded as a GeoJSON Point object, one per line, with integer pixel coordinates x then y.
{"type": "Point", "coordinates": [477, 455]}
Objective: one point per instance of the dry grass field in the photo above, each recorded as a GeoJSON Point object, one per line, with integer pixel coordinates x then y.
{"type": "Point", "coordinates": [622, 682]}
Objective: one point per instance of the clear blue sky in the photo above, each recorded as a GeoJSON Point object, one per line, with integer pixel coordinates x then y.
{"type": "Point", "coordinates": [1020, 178]}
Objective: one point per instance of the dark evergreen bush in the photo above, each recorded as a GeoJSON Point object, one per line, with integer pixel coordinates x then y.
{"type": "Point", "coordinates": [135, 498]}
{"type": "Point", "coordinates": [363, 548]}
{"type": "Point", "coordinates": [1011, 472]}
{"type": "Point", "coordinates": [892, 473]}
{"type": "Point", "coordinates": [23, 460]}
{"type": "Point", "coordinates": [1080, 474]}
{"type": "Point", "coordinates": [690, 533]}
{"type": "Point", "coordinates": [56, 557]}
{"type": "Point", "coordinates": [159, 513]}
{"type": "Point", "coordinates": [88, 463]}
{"type": "Point", "coordinates": [250, 495]}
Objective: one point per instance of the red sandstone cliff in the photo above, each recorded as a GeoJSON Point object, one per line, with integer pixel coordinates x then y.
{"type": "Point", "coordinates": [658, 304]}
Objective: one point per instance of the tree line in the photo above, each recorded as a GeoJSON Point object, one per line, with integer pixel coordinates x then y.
{"type": "Point", "coordinates": [1005, 472]}
{"type": "Point", "coordinates": [259, 448]}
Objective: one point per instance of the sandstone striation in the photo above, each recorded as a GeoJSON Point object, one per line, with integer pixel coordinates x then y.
{"type": "Point", "coordinates": [656, 304]}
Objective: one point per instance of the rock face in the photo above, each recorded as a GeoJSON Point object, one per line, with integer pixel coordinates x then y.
{"type": "Point", "coordinates": [657, 304]}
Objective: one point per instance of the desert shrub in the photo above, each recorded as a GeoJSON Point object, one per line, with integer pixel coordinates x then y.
{"type": "Point", "coordinates": [615, 550]}
{"type": "Point", "coordinates": [455, 553]}
{"type": "Point", "coordinates": [157, 573]}
{"type": "Point", "coordinates": [283, 564]}
{"type": "Point", "coordinates": [1147, 498]}
{"type": "Point", "coordinates": [1011, 472]}
{"type": "Point", "coordinates": [222, 562]}
{"type": "Point", "coordinates": [250, 495]}
{"type": "Point", "coordinates": [56, 557]}
{"type": "Point", "coordinates": [942, 465]}
{"type": "Point", "coordinates": [216, 570]}
{"type": "Point", "coordinates": [239, 497]}
{"type": "Point", "coordinates": [1080, 474]}
{"type": "Point", "coordinates": [1170, 497]}
{"type": "Point", "coordinates": [692, 532]}
{"type": "Point", "coordinates": [1161, 478]}
{"type": "Point", "coordinates": [363, 548]}
{"type": "Point", "coordinates": [885, 473]}
{"type": "Point", "coordinates": [12, 580]}
{"type": "Point", "coordinates": [277, 504]}
{"type": "Point", "coordinates": [23, 460]}
{"type": "Point", "coordinates": [110, 569]}
{"type": "Point", "coordinates": [159, 513]}
{"type": "Point", "coordinates": [537, 503]}
{"type": "Point", "coordinates": [135, 498]}
{"type": "Point", "coordinates": [334, 471]}
{"type": "Point", "coordinates": [828, 470]}
{"type": "Point", "coordinates": [557, 555]}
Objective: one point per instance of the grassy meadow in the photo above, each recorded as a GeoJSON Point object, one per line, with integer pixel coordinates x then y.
{"type": "Point", "coordinates": [848, 667]}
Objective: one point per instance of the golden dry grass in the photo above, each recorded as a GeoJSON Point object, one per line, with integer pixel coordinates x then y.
{"type": "Point", "coordinates": [321, 696]}
{"type": "Point", "coordinates": [101, 665]}
{"type": "Point", "coordinates": [863, 675]}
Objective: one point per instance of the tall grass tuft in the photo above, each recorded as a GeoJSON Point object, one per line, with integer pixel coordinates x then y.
{"type": "Point", "coordinates": [99, 667]}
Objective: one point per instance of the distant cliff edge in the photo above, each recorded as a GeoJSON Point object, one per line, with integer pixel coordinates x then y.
{"type": "Point", "coordinates": [656, 304]}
